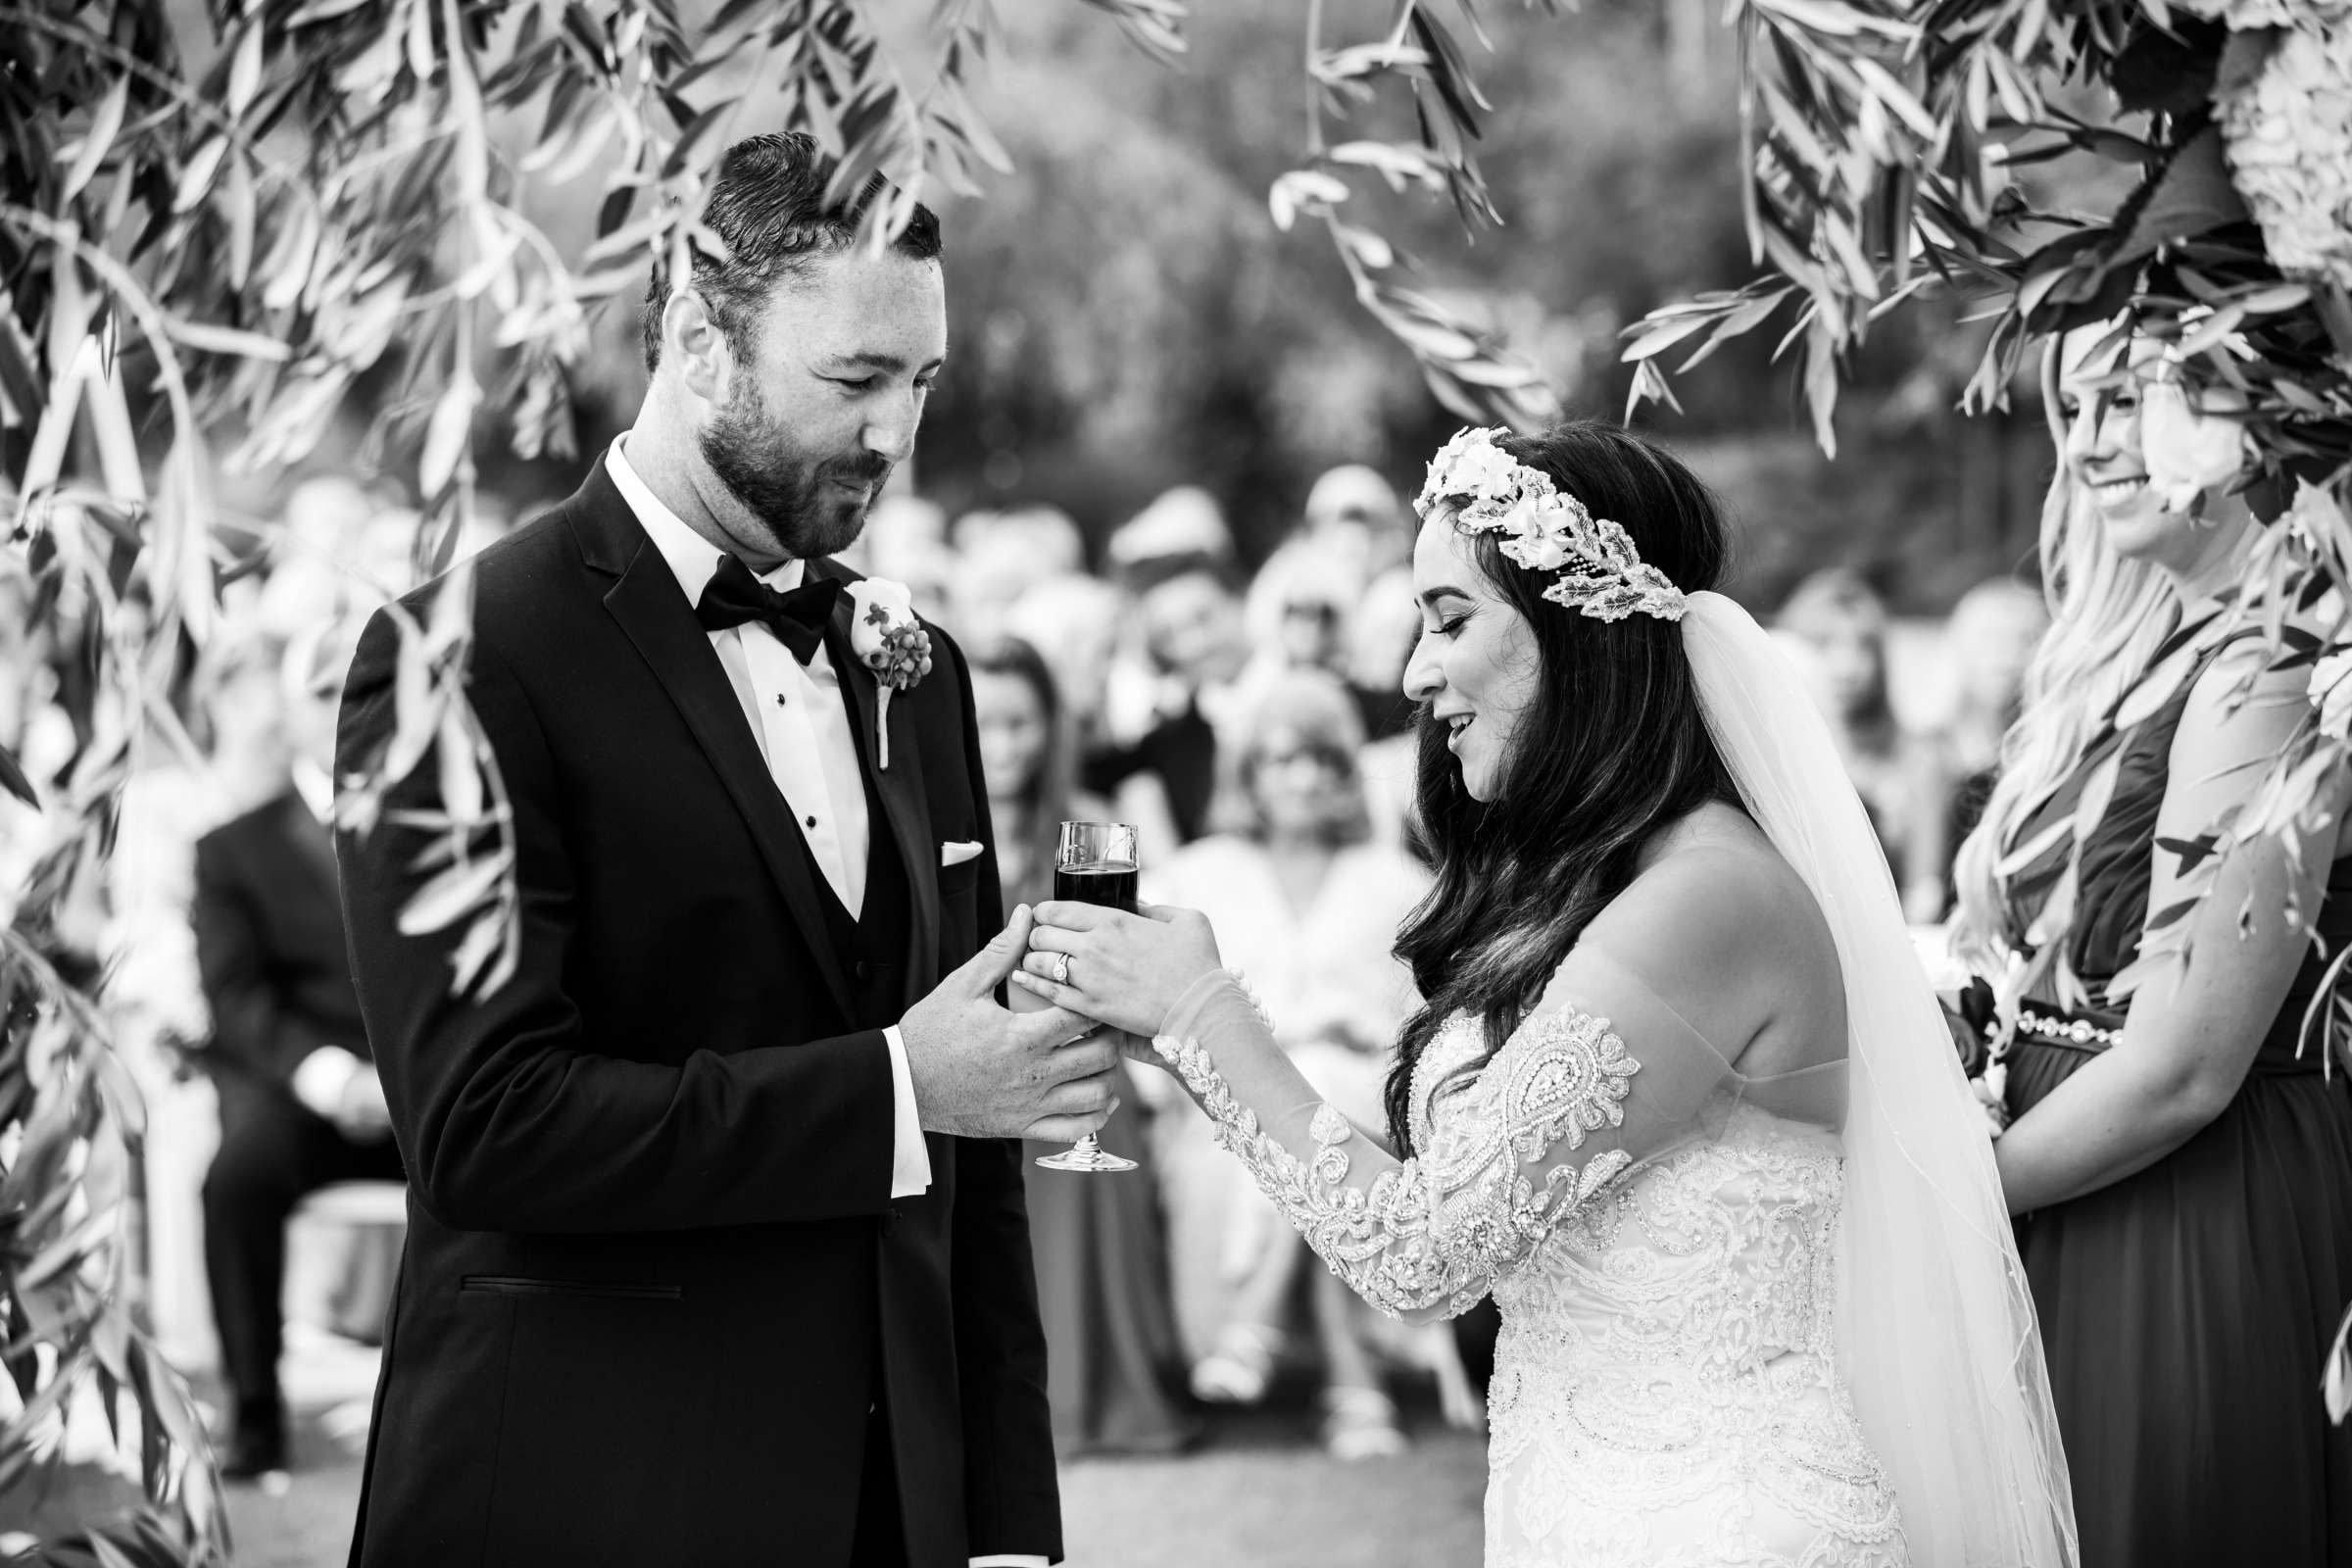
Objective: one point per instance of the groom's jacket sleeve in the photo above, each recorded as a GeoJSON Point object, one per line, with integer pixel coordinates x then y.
{"type": "Point", "coordinates": [504, 1122]}
{"type": "Point", "coordinates": [1012, 1499]}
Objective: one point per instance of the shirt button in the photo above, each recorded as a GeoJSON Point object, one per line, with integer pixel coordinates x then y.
{"type": "Point", "coordinates": [812, 821]}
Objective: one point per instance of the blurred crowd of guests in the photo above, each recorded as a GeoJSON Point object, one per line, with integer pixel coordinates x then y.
{"type": "Point", "coordinates": [1249, 723]}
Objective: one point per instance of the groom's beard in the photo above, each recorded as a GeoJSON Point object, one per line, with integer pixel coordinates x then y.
{"type": "Point", "coordinates": [797, 501]}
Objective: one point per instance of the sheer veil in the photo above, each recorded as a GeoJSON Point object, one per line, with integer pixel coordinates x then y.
{"type": "Point", "coordinates": [1934, 1324]}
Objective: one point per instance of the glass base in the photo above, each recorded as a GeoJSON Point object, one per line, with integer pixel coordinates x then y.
{"type": "Point", "coordinates": [1085, 1155]}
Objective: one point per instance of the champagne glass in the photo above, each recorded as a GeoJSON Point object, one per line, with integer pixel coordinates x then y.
{"type": "Point", "coordinates": [1094, 864]}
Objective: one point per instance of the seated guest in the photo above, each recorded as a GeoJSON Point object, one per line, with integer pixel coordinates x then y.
{"type": "Point", "coordinates": [1992, 636]}
{"type": "Point", "coordinates": [1073, 621]}
{"type": "Point", "coordinates": [1164, 723]}
{"type": "Point", "coordinates": [1840, 626]}
{"type": "Point", "coordinates": [1385, 627]}
{"type": "Point", "coordinates": [300, 1105]}
{"type": "Point", "coordinates": [1353, 516]}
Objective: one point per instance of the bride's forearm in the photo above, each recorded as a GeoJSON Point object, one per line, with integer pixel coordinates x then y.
{"type": "Point", "coordinates": [1218, 1015]}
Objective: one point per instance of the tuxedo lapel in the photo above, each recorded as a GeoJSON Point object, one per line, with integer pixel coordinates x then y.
{"type": "Point", "coordinates": [647, 603]}
{"type": "Point", "coordinates": [900, 787]}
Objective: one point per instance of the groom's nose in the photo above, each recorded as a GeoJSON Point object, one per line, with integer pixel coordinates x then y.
{"type": "Point", "coordinates": [889, 428]}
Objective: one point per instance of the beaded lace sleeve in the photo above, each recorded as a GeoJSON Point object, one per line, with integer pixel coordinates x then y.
{"type": "Point", "coordinates": [1507, 1154]}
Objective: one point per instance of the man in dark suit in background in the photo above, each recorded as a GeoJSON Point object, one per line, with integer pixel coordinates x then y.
{"type": "Point", "coordinates": [300, 1103]}
{"type": "Point", "coordinates": [717, 1250]}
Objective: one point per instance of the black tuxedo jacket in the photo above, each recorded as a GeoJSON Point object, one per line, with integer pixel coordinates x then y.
{"type": "Point", "coordinates": [269, 947]}
{"type": "Point", "coordinates": [654, 1278]}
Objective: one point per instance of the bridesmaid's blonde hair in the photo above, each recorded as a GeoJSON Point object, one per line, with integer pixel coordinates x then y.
{"type": "Point", "coordinates": [2108, 616]}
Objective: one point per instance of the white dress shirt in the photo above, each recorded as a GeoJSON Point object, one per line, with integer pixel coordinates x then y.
{"type": "Point", "coordinates": [797, 715]}
{"type": "Point", "coordinates": [322, 1077]}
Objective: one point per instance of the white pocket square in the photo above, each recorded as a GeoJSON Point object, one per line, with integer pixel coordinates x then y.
{"type": "Point", "coordinates": [955, 852]}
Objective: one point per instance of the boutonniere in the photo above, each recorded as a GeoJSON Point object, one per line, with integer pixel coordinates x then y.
{"type": "Point", "coordinates": [888, 640]}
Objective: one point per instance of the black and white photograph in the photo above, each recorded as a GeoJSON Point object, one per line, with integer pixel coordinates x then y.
{"type": "Point", "coordinates": [1132, 783]}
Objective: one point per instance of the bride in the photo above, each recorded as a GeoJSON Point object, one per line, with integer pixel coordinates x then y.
{"type": "Point", "coordinates": [1680, 1097]}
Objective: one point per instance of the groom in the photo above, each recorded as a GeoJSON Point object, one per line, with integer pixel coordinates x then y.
{"type": "Point", "coordinates": [717, 1250]}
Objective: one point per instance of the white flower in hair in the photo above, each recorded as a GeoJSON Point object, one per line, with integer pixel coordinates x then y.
{"type": "Point", "coordinates": [2287, 130]}
{"type": "Point", "coordinates": [1602, 575]}
{"type": "Point", "coordinates": [2186, 451]}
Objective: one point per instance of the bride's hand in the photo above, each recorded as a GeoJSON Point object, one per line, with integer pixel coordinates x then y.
{"type": "Point", "coordinates": [1125, 971]}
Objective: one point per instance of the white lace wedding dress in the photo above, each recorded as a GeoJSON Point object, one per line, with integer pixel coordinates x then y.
{"type": "Point", "coordinates": [1658, 1232]}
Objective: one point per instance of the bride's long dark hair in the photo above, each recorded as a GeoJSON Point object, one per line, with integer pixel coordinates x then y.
{"type": "Point", "coordinates": [1612, 749]}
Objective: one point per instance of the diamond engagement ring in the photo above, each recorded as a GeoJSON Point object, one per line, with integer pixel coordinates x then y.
{"type": "Point", "coordinates": [1062, 968]}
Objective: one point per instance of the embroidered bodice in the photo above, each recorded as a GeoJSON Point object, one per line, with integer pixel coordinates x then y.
{"type": "Point", "coordinates": [1659, 1235]}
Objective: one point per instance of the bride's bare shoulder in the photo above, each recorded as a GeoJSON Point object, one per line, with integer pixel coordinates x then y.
{"type": "Point", "coordinates": [1719, 923]}
{"type": "Point", "coordinates": [1715, 866]}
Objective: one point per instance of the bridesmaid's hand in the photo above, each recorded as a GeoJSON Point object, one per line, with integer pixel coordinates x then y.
{"type": "Point", "coordinates": [1125, 971]}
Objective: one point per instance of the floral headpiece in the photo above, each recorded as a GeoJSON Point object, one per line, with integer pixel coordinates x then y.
{"type": "Point", "coordinates": [1601, 574]}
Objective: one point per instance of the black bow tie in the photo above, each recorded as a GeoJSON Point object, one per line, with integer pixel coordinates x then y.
{"type": "Point", "coordinates": [734, 596]}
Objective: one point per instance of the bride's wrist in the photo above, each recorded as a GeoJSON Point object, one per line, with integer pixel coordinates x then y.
{"type": "Point", "coordinates": [1184, 1014]}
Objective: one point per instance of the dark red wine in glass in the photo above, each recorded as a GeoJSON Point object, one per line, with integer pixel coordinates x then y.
{"type": "Point", "coordinates": [1094, 864]}
{"type": "Point", "coordinates": [1109, 883]}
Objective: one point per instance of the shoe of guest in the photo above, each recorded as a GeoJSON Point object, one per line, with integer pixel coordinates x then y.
{"type": "Point", "coordinates": [1237, 1370]}
{"type": "Point", "coordinates": [252, 1454]}
{"type": "Point", "coordinates": [1362, 1425]}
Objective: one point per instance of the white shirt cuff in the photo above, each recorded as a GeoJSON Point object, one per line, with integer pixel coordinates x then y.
{"type": "Point", "coordinates": [910, 1158]}
{"type": "Point", "coordinates": [320, 1078]}
{"type": "Point", "coordinates": [1011, 1562]}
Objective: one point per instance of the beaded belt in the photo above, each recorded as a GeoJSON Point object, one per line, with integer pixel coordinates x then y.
{"type": "Point", "coordinates": [2080, 1032]}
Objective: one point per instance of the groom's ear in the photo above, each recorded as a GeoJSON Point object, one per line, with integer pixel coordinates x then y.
{"type": "Point", "coordinates": [693, 348]}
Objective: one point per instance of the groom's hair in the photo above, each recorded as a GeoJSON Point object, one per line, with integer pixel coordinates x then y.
{"type": "Point", "coordinates": [768, 206]}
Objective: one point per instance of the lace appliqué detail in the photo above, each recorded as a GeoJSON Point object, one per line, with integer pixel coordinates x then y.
{"type": "Point", "coordinates": [1438, 1231]}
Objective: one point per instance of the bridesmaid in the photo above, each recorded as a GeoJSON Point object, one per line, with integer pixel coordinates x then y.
{"type": "Point", "coordinates": [2179, 1167]}
{"type": "Point", "coordinates": [1101, 1282]}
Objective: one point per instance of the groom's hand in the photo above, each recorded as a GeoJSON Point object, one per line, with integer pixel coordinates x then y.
{"type": "Point", "coordinates": [982, 1071]}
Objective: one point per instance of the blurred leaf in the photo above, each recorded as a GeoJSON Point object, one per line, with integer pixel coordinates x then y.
{"type": "Point", "coordinates": [240, 201]}
{"type": "Point", "coordinates": [2336, 1381]}
{"type": "Point", "coordinates": [2192, 196]}
{"type": "Point", "coordinates": [196, 176]}
{"type": "Point", "coordinates": [2191, 851]}
{"type": "Point", "coordinates": [460, 776]}
{"type": "Point", "coordinates": [1302, 187]}
{"type": "Point", "coordinates": [245, 70]}
{"type": "Point", "coordinates": [696, 148]}
{"type": "Point", "coordinates": [482, 940]}
{"type": "Point", "coordinates": [446, 433]}
{"type": "Point", "coordinates": [450, 895]}
{"type": "Point", "coordinates": [1156, 25]}
{"type": "Point", "coordinates": [106, 123]}
{"type": "Point", "coordinates": [228, 340]}
{"type": "Point", "coordinates": [1401, 164]}
{"type": "Point", "coordinates": [13, 779]}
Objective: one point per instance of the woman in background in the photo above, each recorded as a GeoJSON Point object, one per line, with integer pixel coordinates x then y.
{"type": "Point", "coordinates": [1990, 638]}
{"type": "Point", "coordinates": [1840, 623]}
{"type": "Point", "coordinates": [1311, 906]}
{"type": "Point", "coordinates": [1101, 1282]}
{"type": "Point", "coordinates": [2179, 1165]}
